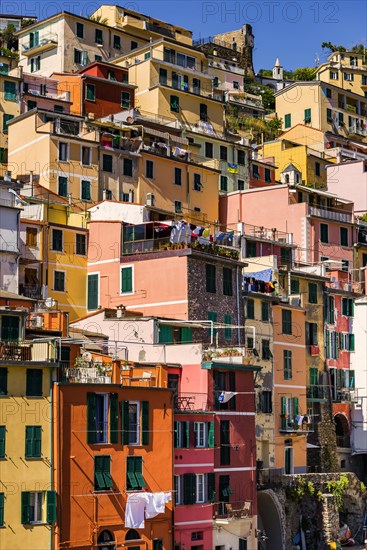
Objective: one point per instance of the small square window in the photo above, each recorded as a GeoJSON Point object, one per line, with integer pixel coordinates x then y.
{"type": "Point", "coordinates": [133, 45]}
{"type": "Point", "coordinates": [90, 92]}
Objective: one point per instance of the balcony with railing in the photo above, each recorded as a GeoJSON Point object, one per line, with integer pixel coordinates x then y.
{"type": "Point", "coordinates": [39, 44]}
{"type": "Point", "coordinates": [191, 402]}
{"type": "Point", "coordinates": [295, 424]}
{"type": "Point", "coordinates": [28, 350]}
{"type": "Point", "coordinates": [226, 66]}
{"type": "Point", "coordinates": [330, 214]}
{"type": "Point", "coordinates": [100, 373]}
{"type": "Point", "coordinates": [31, 291]}
{"type": "Point", "coordinates": [232, 510]}
{"type": "Point", "coordinates": [318, 393]}
{"type": "Point", "coordinates": [156, 237]}
{"type": "Point", "coordinates": [179, 84]}
{"type": "Point", "coordinates": [261, 233]}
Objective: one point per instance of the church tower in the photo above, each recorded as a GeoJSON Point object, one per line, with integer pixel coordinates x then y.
{"type": "Point", "coordinates": [278, 71]}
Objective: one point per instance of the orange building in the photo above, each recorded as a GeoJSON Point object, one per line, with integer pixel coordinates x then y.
{"type": "Point", "coordinates": [111, 441]}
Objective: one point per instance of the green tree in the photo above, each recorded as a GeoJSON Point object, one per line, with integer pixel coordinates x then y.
{"type": "Point", "coordinates": [7, 38]}
{"type": "Point", "coordinates": [333, 47]}
{"type": "Point", "coordinates": [304, 73]}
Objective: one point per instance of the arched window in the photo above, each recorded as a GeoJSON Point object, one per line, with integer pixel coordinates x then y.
{"type": "Point", "coordinates": [132, 535]}
{"type": "Point", "coordinates": [106, 541]}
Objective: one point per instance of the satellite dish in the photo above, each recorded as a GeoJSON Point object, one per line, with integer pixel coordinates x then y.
{"type": "Point", "coordinates": [49, 303]}
{"type": "Point", "coordinates": [87, 356]}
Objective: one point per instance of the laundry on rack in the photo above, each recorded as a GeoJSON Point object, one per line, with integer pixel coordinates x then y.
{"type": "Point", "coordinates": [299, 420]}
{"type": "Point", "coordinates": [232, 168]}
{"type": "Point", "coordinates": [180, 233]}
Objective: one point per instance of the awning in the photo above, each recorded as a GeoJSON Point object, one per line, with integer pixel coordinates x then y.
{"type": "Point", "coordinates": [266, 275]}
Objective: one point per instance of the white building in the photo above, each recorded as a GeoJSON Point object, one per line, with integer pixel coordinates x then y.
{"type": "Point", "coordinates": [10, 208]}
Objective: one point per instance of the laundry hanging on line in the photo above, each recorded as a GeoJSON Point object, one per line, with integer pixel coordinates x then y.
{"type": "Point", "coordinates": [141, 506]}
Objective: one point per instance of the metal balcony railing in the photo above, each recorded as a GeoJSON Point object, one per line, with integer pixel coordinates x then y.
{"type": "Point", "coordinates": [335, 215]}
{"type": "Point", "coordinates": [233, 510]}
{"type": "Point", "coordinates": [191, 402]}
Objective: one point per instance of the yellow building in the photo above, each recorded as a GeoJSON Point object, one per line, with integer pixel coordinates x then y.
{"type": "Point", "coordinates": [323, 106]}
{"type": "Point", "coordinates": [10, 80]}
{"type": "Point", "coordinates": [174, 84]}
{"type": "Point", "coordinates": [53, 241]}
{"type": "Point", "coordinates": [145, 165]}
{"type": "Point", "coordinates": [310, 162]}
{"type": "Point", "coordinates": [140, 26]}
{"type": "Point", "coordinates": [61, 150]}
{"type": "Point", "coordinates": [347, 70]}
{"type": "Point", "coordinates": [27, 496]}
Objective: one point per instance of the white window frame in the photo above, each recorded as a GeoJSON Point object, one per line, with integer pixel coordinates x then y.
{"type": "Point", "coordinates": [137, 430]}
{"type": "Point", "coordinates": [81, 189]}
{"type": "Point", "coordinates": [201, 434]}
{"type": "Point", "coordinates": [200, 488]}
{"type": "Point", "coordinates": [99, 290]}
{"type": "Point", "coordinates": [59, 271]}
{"type": "Point", "coordinates": [77, 253]}
{"type": "Point", "coordinates": [174, 206]}
{"type": "Point", "coordinates": [81, 155]}
{"type": "Point", "coordinates": [67, 151]}
{"type": "Point", "coordinates": [38, 495]}
{"type": "Point", "coordinates": [132, 278]}
{"type": "Point", "coordinates": [178, 481]}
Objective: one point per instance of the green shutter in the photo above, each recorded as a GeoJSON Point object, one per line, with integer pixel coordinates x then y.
{"type": "Point", "coordinates": [212, 316]}
{"type": "Point", "coordinates": [10, 90]}
{"type": "Point", "coordinates": [99, 481]}
{"type": "Point", "coordinates": [114, 418]}
{"type": "Point", "coordinates": [351, 379]}
{"type": "Point", "coordinates": [211, 487]}
{"type": "Point", "coordinates": [29, 441]}
{"type": "Point", "coordinates": [1, 509]}
{"type": "Point", "coordinates": [34, 382]}
{"type": "Point", "coordinates": [26, 507]}
{"type": "Point", "coordinates": [145, 423]}
{"type": "Point", "coordinates": [51, 506]}
{"type": "Point", "coordinates": [295, 406]}
{"type": "Point", "coordinates": [228, 331]}
{"type": "Point", "coordinates": [186, 335]}
{"type": "Point", "coordinates": [37, 441]}
{"type": "Point", "coordinates": [314, 376]}
{"type": "Point", "coordinates": [6, 119]}
{"type": "Point", "coordinates": [351, 308]}
{"type": "Point", "coordinates": [165, 334]}
{"type": "Point", "coordinates": [2, 441]}
{"type": "Point", "coordinates": [92, 300]}
{"type": "Point", "coordinates": [351, 342]}
{"type": "Point", "coordinates": [189, 485]}
{"type": "Point", "coordinates": [186, 442]}
{"type": "Point", "coordinates": [211, 435]}
{"type": "Point", "coordinates": [125, 422]}
{"type": "Point", "coordinates": [91, 418]}
{"type": "Point", "coordinates": [175, 434]}
{"type": "Point", "coordinates": [307, 116]}
{"type": "Point", "coordinates": [287, 121]}
{"type": "Point", "coordinates": [106, 471]}
{"type": "Point", "coordinates": [126, 279]}
{"type": "Point", "coordinates": [140, 479]}
{"type": "Point", "coordinates": [138, 470]}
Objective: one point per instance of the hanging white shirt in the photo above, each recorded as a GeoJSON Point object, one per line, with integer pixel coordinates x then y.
{"type": "Point", "coordinates": [135, 508]}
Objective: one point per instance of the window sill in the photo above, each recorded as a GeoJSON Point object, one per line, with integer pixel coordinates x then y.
{"type": "Point", "coordinates": [33, 458]}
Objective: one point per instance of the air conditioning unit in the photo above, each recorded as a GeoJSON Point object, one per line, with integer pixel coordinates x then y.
{"type": "Point", "coordinates": [150, 199]}
{"type": "Point", "coordinates": [37, 321]}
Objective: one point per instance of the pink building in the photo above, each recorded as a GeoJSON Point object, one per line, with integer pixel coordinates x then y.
{"type": "Point", "coordinates": [42, 92]}
{"type": "Point", "coordinates": [214, 457]}
{"type": "Point", "coordinates": [349, 179]}
{"type": "Point", "coordinates": [339, 347]}
{"type": "Point", "coordinates": [321, 223]}
{"type": "Point", "coordinates": [142, 270]}
{"type": "Point", "coordinates": [262, 172]}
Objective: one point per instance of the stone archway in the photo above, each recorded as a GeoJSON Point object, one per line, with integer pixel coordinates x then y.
{"type": "Point", "coordinates": [342, 431]}
{"type": "Point", "coordinates": [270, 520]}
